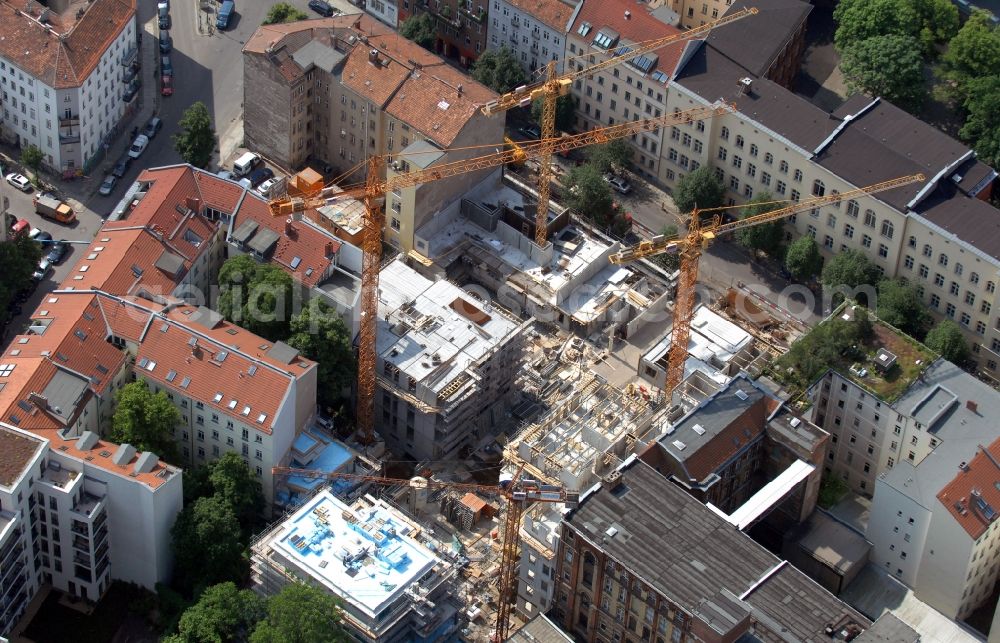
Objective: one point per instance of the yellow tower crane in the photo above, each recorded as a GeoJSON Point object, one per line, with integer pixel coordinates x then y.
{"type": "Point", "coordinates": [689, 247]}
{"type": "Point", "coordinates": [554, 86]}
{"type": "Point", "coordinates": [374, 189]}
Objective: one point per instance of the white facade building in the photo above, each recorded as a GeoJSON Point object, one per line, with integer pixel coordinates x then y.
{"type": "Point", "coordinates": [383, 10]}
{"type": "Point", "coordinates": [534, 31]}
{"type": "Point", "coordinates": [67, 78]}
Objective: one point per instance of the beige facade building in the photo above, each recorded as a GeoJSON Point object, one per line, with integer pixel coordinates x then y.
{"type": "Point", "coordinates": [342, 90]}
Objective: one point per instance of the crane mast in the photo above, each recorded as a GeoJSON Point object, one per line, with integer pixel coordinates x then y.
{"type": "Point", "coordinates": [689, 247]}
{"type": "Point", "coordinates": [550, 89]}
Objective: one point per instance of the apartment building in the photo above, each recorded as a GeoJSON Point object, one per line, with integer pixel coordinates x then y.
{"type": "Point", "coordinates": [446, 364]}
{"type": "Point", "coordinates": [460, 26]}
{"type": "Point", "coordinates": [386, 11]}
{"type": "Point", "coordinates": [69, 75]}
{"type": "Point", "coordinates": [641, 558]}
{"type": "Point", "coordinates": [395, 582]}
{"type": "Point", "coordinates": [347, 89]}
{"type": "Point", "coordinates": [534, 31]}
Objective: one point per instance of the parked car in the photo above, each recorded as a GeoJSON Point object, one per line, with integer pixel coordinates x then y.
{"type": "Point", "coordinates": [260, 175]}
{"type": "Point", "coordinates": [226, 12]}
{"type": "Point", "coordinates": [165, 67]}
{"type": "Point", "coordinates": [39, 235]}
{"type": "Point", "coordinates": [121, 165]}
{"type": "Point", "coordinates": [152, 127]}
{"type": "Point", "coordinates": [20, 227]}
{"type": "Point", "coordinates": [166, 85]}
{"type": "Point", "coordinates": [138, 146]}
{"type": "Point", "coordinates": [321, 7]}
{"type": "Point", "coordinates": [108, 185]}
{"type": "Point", "coordinates": [225, 174]}
{"type": "Point", "coordinates": [166, 42]}
{"type": "Point", "coordinates": [50, 207]}
{"type": "Point", "coordinates": [43, 270]}
{"type": "Point", "coordinates": [264, 189]}
{"type": "Point", "coordinates": [57, 252]}
{"type": "Point", "coordinates": [618, 183]}
{"type": "Point", "coordinates": [165, 22]}
{"type": "Point", "coordinates": [19, 181]}
{"type": "Point", "coordinates": [531, 131]}
{"type": "Point", "coordinates": [246, 184]}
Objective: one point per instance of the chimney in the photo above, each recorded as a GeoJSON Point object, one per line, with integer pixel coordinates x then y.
{"type": "Point", "coordinates": [746, 85]}
{"type": "Point", "coordinates": [972, 406]}
{"type": "Point", "coordinates": [329, 250]}
{"type": "Point", "coordinates": [628, 14]}
{"type": "Point", "coordinates": [964, 466]}
{"type": "Point", "coordinates": [289, 229]}
{"type": "Point", "coordinates": [459, 89]}
{"type": "Point", "coordinates": [373, 57]}
{"type": "Point", "coordinates": [193, 203]}
{"type": "Point", "coordinates": [39, 400]}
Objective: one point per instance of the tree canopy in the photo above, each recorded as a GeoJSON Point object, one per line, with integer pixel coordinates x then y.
{"type": "Point", "coordinates": [18, 260]}
{"type": "Point", "coordinates": [232, 481]}
{"type": "Point", "coordinates": [859, 20]}
{"type": "Point", "coordinates": [565, 112]}
{"type": "Point", "coordinates": [283, 12]}
{"type": "Point", "coordinates": [196, 140]}
{"type": "Point", "coordinates": [822, 347]}
{"type": "Point", "coordinates": [420, 29]}
{"type": "Point", "coordinates": [698, 189]}
{"type": "Point", "coordinates": [764, 237]}
{"type": "Point", "coordinates": [223, 613]}
{"type": "Point", "coordinates": [256, 296]}
{"type": "Point", "coordinates": [899, 305]}
{"type": "Point", "coordinates": [973, 53]}
{"type": "Point", "coordinates": [982, 124]}
{"type": "Point", "coordinates": [946, 338]}
{"type": "Point", "coordinates": [146, 420]}
{"type": "Point", "coordinates": [589, 194]}
{"type": "Point", "coordinates": [499, 70]}
{"type": "Point", "coordinates": [803, 259]}
{"type": "Point", "coordinates": [851, 268]}
{"type": "Point", "coordinates": [613, 155]}
{"type": "Point", "coordinates": [32, 158]}
{"type": "Point", "coordinates": [300, 614]}
{"type": "Point", "coordinates": [320, 333]}
{"type": "Point", "coordinates": [889, 66]}
{"type": "Point", "coordinates": [207, 544]}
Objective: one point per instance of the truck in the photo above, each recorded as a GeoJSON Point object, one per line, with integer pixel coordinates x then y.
{"type": "Point", "coordinates": [52, 208]}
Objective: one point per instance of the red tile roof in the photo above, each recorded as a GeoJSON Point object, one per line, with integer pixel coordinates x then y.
{"type": "Point", "coordinates": [973, 495]}
{"type": "Point", "coordinates": [554, 13]}
{"type": "Point", "coordinates": [100, 456]}
{"type": "Point", "coordinates": [63, 54]}
{"type": "Point", "coordinates": [639, 26]}
{"type": "Point", "coordinates": [315, 249]}
{"type": "Point", "coordinates": [218, 193]}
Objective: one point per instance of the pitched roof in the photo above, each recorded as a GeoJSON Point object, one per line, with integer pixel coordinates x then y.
{"type": "Point", "coordinates": [972, 221]}
{"type": "Point", "coordinates": [554, 13]}
{"type": "Point", "coordinates": [638, 26]}
{"type": "Point", "coordinates": [301, 249]}
{"type": "Point", "coordinates": [16, 452]}
{"type": "Point", "coordinates": [973, 495]}
{"type": "Point", "coordinates": [64, 53]}
{"type": "Point", "coordinates": [756, 41]}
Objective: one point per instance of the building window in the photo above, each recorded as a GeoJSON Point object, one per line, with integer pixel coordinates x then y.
{"type": "Point", "coordinates": [866, 241]}
{"type": "Point", "coordinates": [819, 189]}
{"type": "Point", "coordinates": [942, 259]}
{"type": "Point", "coordinates": [924, 271]}
{"type": "Point", "coordinates": [883, 250]}
{"type": "Point", "coordinates": [887, 229]}
{"type": "Point", "coordinates": [852, 208]}
{"type": "Point", "coordinates": [908, 262]}
{"type": "Point", "coordinates": [724, 133]}
{"type": "Point", "coordinates": [849, 231]}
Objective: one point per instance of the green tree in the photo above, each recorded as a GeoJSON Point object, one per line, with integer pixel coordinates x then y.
{"type": "Point", "coordinates": [32, 158]}
{"type": "Point", "coordinates": [300, 614]}
{"type": "Point", "coordinates": [420, 29]}
{"type": "Point", "coordinates": [283, 12]}
{"type": "Point", "coordinates": [207, 545]}
{"type": "Point", "coordinates": [499, 70]}
{"type": "Point", "coordinates": [18, 259]}
{"type": "Point", "coordinates": [589, 194]}
{"type": "Point", "coordinates": [614, 155]}
{"type": "Point", "coordinates": [859, 20]}
{"type": "Point", "coordinates": [803, 259]}
{"type": "Point", "coordinates": [765, 237]}
{"type": "Point", "coordinates": [982, 125]}
{"type": "Point", "coordinates": [851, 268]}
{"type": "Point", "coordinates": [889, 66]}
{"type": "Point", "coordinates": [946, 338]}
{"type": "Point", "coordinates": [196, 140]}
{"type": "Point", "coordinates": [698, 189]}
{"type": "Point", "coordinates": [223, 613]}
{"type": "Point", "coordinates": [939, 21]}
{"type": "Point", "coordinates": [320, 333]}
{"type": "Point", "coordinates": [256, 296]}
{"type": "Point", "coordinates": [973, 53]}
{"type": "Point", "coordinates": [565, 111]}
{"type": "Point", "coordinates": [899, 305]}
{"type": "Point", "coordinates": [231, 480]}
{"type": "Point", "coordinates": [146, 420]}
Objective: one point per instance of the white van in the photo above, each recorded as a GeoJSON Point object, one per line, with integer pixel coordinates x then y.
{"type": "Point", "coordinates": [246, 163]}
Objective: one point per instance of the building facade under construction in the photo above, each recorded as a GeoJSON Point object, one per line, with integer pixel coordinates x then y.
{"type": "Point", "coordinates": [446, 364]}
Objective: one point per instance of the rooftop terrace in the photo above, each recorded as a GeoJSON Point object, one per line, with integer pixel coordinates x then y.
{"type": "Point", "coordinates": [366, 554]}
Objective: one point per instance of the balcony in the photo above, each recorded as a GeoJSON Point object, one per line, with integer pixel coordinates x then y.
{"type": "Point", "coordinates": [81, 559]}
{"type": "Point", "coordinates": [130, 56]}
{"type": "Point", "coordinates": [89, 505]}
{"type": "Point", "coordinates": [69, 121]}
{"type": "Point", "coordinates": [82, 544]}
